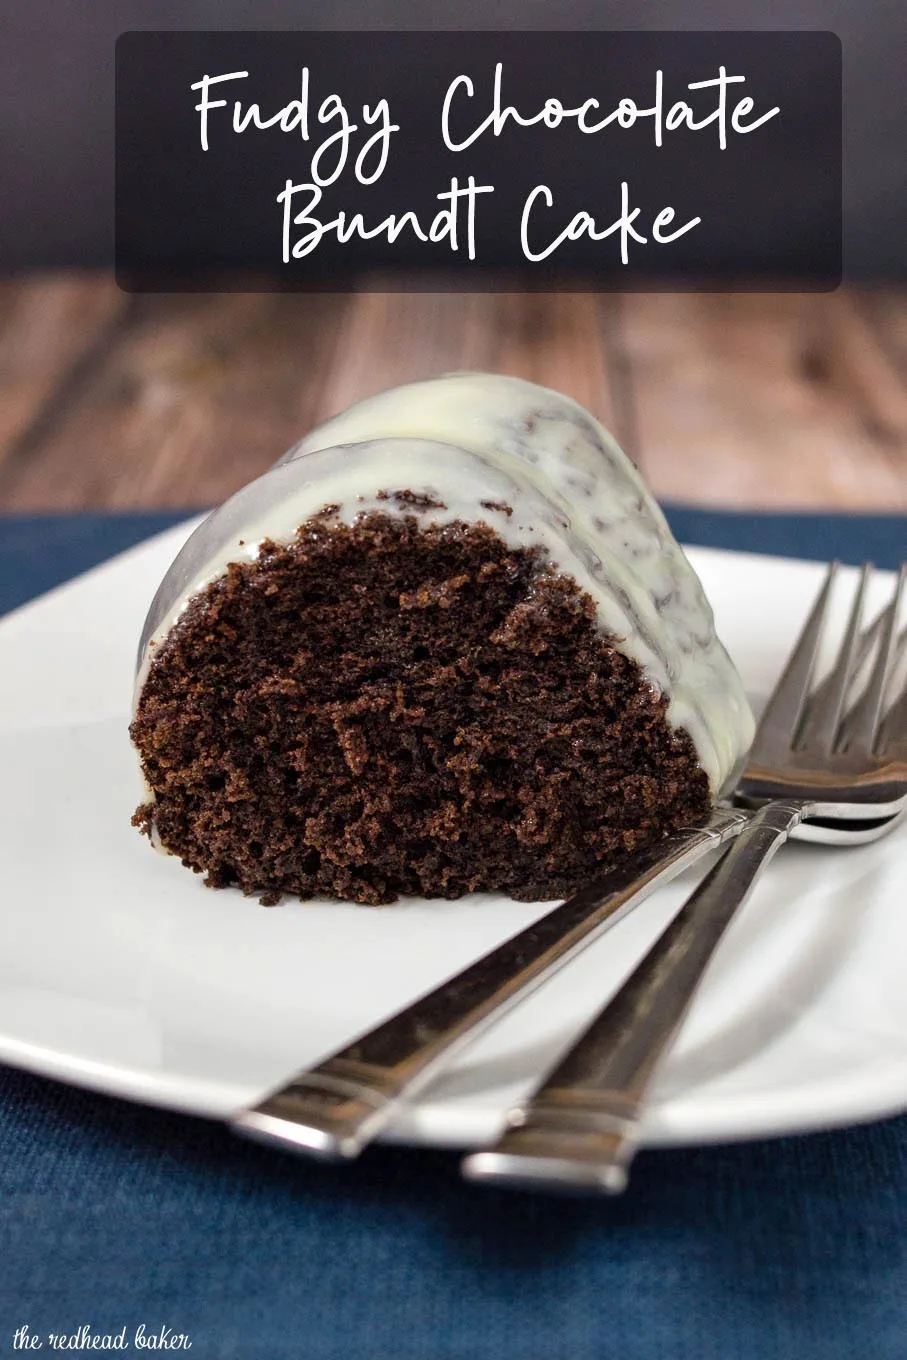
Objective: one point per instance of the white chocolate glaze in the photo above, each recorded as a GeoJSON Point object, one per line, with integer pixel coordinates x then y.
{"type": "Point", "coordinates": [471, 438]}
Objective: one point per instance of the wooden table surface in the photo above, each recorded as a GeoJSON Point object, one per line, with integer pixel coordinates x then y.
{"type": "Point", "coordinates": [780, 400]}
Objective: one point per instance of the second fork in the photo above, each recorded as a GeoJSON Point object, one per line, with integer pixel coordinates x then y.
{"type": "Point", "coordinates": [581, 1128]}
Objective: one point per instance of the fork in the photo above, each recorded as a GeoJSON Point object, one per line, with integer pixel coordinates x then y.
{"type": "Point", "coordinates": [580, 1129]}
{"type": "Point", "coordinates": [336, 1108]}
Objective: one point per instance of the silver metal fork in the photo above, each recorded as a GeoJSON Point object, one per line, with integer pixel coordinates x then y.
{"type": "Point", "coordinates": [824, 757]}
{"type": "Point", "coordinates": [339, 1106]}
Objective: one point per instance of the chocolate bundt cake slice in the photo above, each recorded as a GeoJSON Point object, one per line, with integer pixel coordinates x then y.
{"type": "Point", "coordinates": [447, 644]}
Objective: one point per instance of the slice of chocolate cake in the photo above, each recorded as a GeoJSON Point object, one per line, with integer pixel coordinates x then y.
{"type": "Point", "coordinates": [447, 644]}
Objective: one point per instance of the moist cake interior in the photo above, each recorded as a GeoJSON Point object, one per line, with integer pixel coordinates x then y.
{"type": "Point", "coordinates": [388, 708]}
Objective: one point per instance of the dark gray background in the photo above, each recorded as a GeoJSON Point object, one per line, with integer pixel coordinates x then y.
{"type": "Point", "coordinates": [57, 98]}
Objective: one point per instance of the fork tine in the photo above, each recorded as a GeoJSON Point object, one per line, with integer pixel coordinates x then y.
{"type": "Point", "coordinates": [822, 715]}
{"type": "Point", "coordinates": [779, 723]}
{"type": "Point", "coordinates": [864, 719]}
{"type": "Point", "coordinates": [894, 729]}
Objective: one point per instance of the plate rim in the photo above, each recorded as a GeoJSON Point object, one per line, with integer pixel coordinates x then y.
{"type": "Point", "coordinates": [445, 1125]}
{"type": "Point", "coordinates": [442, 1123]}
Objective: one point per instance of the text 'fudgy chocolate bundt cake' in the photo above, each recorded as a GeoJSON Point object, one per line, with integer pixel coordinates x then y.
{"type": "Point", "coordinates": [446, 644]}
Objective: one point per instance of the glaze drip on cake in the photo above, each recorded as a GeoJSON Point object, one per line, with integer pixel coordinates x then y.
{"type": "Point", "coordinates": [458, 468]}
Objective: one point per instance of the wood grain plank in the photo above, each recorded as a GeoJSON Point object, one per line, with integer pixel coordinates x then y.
{"type": "Point", "coordinates": [558, 339]}
{"type": "Point", "coordinates": [51, 327]}
{"type": "Point", "coordinates": [886, 313]}
{"type": "Point", "coordinates": [766, 400]}
{"type": "Point", "coordinates": [550, 338]}
{"type": "Point", "coordinates": [743, 400]}
{"type": "Point", "coordinates": [201, 393]}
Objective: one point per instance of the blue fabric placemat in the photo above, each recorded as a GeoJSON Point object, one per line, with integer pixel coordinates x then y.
{"type": "Point", "coordinates": [117, 1217]}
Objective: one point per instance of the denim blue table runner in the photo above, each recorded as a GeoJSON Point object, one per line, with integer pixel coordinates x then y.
{"type": "Point", "coordinates": [125, 1222]}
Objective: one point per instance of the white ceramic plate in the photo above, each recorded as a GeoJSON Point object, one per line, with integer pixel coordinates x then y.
{"type": "Point", "coordinates": [120, 971]}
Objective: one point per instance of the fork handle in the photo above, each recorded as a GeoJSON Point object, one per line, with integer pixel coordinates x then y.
{"type": "Point", "coordinates": [580, 1129]}
{"type": "Point", "coordinates": [336, 1108]}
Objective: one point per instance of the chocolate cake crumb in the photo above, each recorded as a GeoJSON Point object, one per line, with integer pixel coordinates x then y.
{"type": "Point", "coordinates": [391, 708]}
{"type": "Point", "coordinates": [501, 506]}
